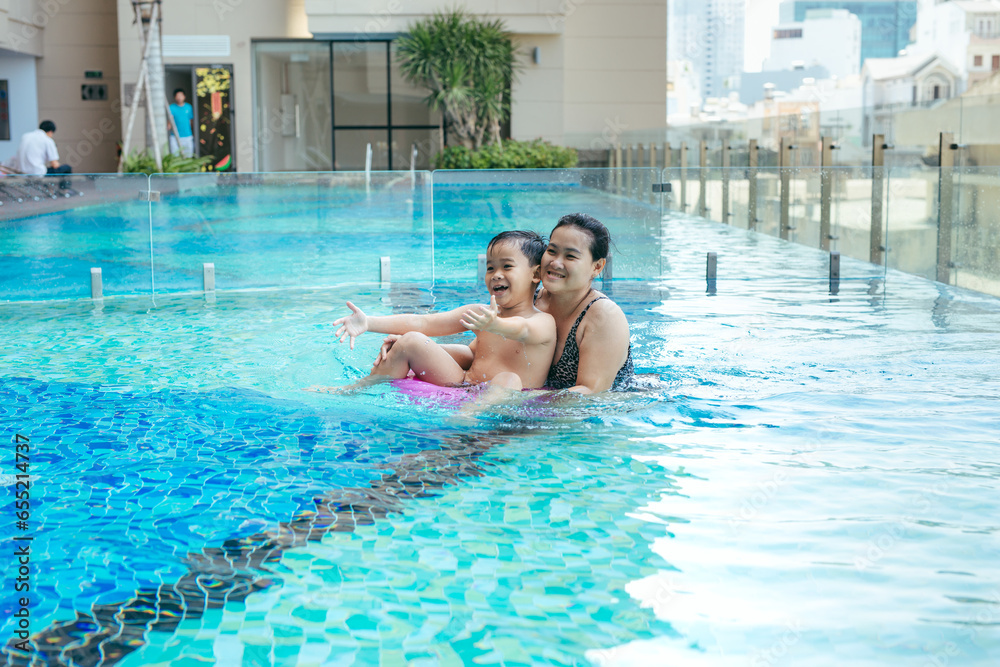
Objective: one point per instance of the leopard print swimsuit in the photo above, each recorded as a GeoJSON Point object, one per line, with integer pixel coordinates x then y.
{"type": "Point", "coordinates": [562, 375]}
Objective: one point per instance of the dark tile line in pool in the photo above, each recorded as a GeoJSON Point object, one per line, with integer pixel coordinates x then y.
{"type": "Point", "coordinates": [239, 567]}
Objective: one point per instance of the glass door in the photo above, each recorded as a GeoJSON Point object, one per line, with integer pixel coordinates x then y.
{"type": "Point", "coordinates": [293, 119]}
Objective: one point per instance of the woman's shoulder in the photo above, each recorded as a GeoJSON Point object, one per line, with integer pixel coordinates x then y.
{"type": "Point", "coordinates": [605, 305]}
{"type": "Point", "coordinates": [604, 312]}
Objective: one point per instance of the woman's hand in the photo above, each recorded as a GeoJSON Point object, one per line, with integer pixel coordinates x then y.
{"type": "Point", "coordinates": [351, 326]}
{"type": "Point", "coordinates": [479, 318]}
{"type": "Point", "coordinates": [383, 352]}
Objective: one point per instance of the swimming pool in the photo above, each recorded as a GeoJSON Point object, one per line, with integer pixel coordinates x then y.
{"type": "Point", "coordinates": [812, 481]}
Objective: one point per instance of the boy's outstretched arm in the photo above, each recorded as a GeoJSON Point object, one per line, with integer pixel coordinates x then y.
{"type": "Point", "coordinates": [536, 330]}
{"type": "Point", "coordinates": [435, 324]}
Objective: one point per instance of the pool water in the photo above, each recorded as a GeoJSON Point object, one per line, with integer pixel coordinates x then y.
{"type": "Point", "coordinates": [286, 233]}
{"type": "Point", "coordinates": [807, 478]}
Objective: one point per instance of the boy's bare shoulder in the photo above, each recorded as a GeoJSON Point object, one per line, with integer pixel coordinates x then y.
{"type": "Point", "coordinates": [542, 314]}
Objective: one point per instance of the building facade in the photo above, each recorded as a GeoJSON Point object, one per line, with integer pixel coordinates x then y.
{"type": "Point", "coordinates": [827, 38]}
{"type": "Point", "coordinates": [966, 32]}
{"type": "Point", "coordinates": [308, 85]}
{"type": "Point", "coordinates": [893, 85]}
{"type": "Point", "coordinates": [885, 24]}
{"type": "Point", "coordinates": [59, 62]}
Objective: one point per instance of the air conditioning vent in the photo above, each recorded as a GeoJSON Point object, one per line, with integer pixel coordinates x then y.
{"type": "Point", "coordinates": [196, 46]}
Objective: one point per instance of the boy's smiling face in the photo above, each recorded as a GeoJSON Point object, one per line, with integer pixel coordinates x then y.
{"type": "Point", "coordinates": [509, 278]}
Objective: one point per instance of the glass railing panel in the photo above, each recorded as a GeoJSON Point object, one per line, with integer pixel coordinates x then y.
{"type": "Point", "coordinates": [768, 201]}
{"type": "Point", "coordinates": [911, 220]}
{"type": "Point", "coordinates": [54, 230]}
{"type": "Point", "coordinates": [804, 206]}
{"type": "Point", "coordinates": [710, 182]}
{"type": "Point", "coordinates": [851, 211]}
{"type": "Point", "coordinates": [535, 199]}
{"type": "Point", "coordinates": [738, 182]}
{"type": "Point", "coordinates": [975, 252]}
{"type": "Point", "coordinates": [291, 229]}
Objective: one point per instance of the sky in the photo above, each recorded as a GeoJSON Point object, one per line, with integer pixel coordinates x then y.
{"type": "Point", "coordinates": [761, 16]}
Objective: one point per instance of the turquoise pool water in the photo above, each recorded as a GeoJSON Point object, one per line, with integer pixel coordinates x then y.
{"type": "Point", "coordinates": [295, 231]}
{"type": "Point", "coordinates": [812, 481]}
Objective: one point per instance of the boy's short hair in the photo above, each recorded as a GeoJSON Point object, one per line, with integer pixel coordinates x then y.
{"type": "Point", "coordinates": [529, 243]}
{"type": "Point", "coordinates": [180, 90]}
{"type": "Point", "coordinates": [47, 126]}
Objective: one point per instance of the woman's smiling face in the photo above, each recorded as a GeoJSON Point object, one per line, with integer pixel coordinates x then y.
{"type": "Point", "coordinates": [567, 264]}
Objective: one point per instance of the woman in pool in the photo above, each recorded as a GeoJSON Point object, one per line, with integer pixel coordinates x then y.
{"type": "Point", "coordinates": [592, 351]}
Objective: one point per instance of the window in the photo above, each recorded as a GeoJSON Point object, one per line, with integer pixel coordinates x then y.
{"type": "Point", "coordinates": [977, 61]}
{"type": "Point", "coordinates": [788, 33]}
{"type": "Point", "coordinates": [320, 104]}
{"type": "Point", "coordinates": [996, 63]}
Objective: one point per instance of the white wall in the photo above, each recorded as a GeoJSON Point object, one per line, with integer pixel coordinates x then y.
{"type": "Point", "coordinates": [81, 35]}
{"type": "Point", "coordinates": [833, 42]}
{"type": "Point", "coordinates": [942, 29]}
{"type": "Point", "coordinates": [22, 24]}
{"type": "Point", "coordinates": [602, 67]}
{"type": "Point", "coordinates": [22, 90]}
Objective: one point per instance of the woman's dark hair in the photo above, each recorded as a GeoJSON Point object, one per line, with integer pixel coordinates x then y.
{"type": "Point", "coordinates": [529, 243]}
{"type": "Point", "coordinates": [600, 237]}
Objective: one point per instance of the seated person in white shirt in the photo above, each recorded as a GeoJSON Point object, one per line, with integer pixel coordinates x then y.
{"type": "Point", "coordinates": [37, 154]}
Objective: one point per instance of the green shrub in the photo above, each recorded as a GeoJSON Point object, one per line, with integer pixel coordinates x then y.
{"type": "Point", "coordinates": [143, 162]}
{"type": "Point", "coordinates": [535, 154]}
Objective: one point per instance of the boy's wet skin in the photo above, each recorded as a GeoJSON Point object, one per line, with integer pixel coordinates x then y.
{"type": "Point", "coordinates": [514, 340]}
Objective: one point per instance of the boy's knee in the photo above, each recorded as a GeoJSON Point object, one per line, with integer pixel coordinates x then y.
{"type": "Point", "coordinates": [409, 341]}
{"type": "Point", "coordinates": [507, 381]}
{"type": "Point", "coordinates": [413, 338]}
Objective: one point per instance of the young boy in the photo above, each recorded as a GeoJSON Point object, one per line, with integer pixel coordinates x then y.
{"type": "Point", "coordinates": [514, 340]}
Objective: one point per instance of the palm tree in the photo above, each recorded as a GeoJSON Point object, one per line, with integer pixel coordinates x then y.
{"type": "Point", "coordinates": [467, 65]}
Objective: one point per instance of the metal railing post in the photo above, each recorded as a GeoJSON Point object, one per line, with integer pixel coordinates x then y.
{"type": "Point", "coordinates": [628, 172]}
{"type": "Point", "coordinates": [711, 272]}
{"type": "Point", "coordinates": [834, 272]}
{"type": "Point", "coordinates": [683, 168]}
{"type": "Point", "coordinates": [96, 283]}
{"type": "Point", "coordinates": [702, 178]}
{"type": "Point", "coordinates": [876, 243]}
{"type": "Point", "coordinates": [825, 192]}
{"type": "Point", "coordinates": [752, 178]}
{"type": "Point", "coordinates": [668, 171]}
{"type": "Point", "coordinates": [725, 181]}
{"type": "Point", "coordinates": [784, 177]}
{"type": "Point", "coordinates": [946, 187]}
{"type": "Point", "coordinates": [618, 168]}
{"type": "Point", "coordinates": [651, 162]}
{"type": "Point", "coordinates": [208, 276]}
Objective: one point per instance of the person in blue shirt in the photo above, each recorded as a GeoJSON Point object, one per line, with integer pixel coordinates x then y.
{"type": "Point", "coordinates": [182, 118]}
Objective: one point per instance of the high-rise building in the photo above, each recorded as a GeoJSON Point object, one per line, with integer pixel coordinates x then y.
{"type": "Point", "coordinates": [885, 24]}
{"type": "Point", "coordinates": [830, 38]}
{"type": "Point", "coordinates": [709, 35]}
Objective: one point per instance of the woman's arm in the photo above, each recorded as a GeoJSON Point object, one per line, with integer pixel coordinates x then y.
{"type": "Point", "coordinates": [603, 346]}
